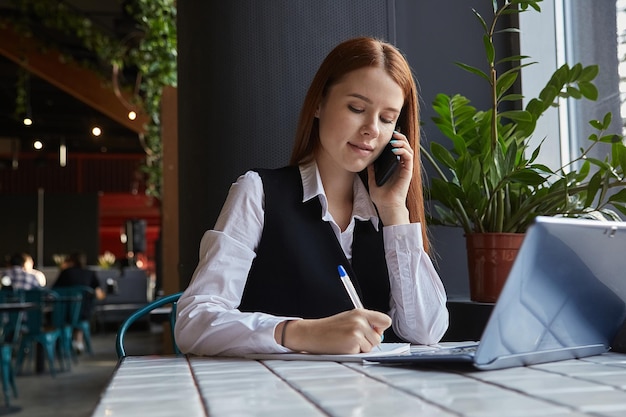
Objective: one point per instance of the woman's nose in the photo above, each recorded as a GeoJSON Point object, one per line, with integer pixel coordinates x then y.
{"type": "Point", "coordinates": [370, 128]}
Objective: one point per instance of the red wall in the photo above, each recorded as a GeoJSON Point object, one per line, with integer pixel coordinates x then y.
{"type": "Point", "coordinates": [115, 209]}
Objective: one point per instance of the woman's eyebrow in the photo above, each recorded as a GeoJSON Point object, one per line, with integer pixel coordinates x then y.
{"type": "Point", "coordinates": [360, 96]}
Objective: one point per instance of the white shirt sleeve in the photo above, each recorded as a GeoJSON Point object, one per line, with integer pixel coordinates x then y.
{"type": "Point", "coordinates": [418, 297]}
{"type": "Point", "coordinates": [208, 321]}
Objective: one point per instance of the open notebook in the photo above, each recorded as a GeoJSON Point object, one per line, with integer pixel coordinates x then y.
{"type": "Point", "coordinates": [565, 298]}
{"type": "Point", "coordinates": [385, 349]}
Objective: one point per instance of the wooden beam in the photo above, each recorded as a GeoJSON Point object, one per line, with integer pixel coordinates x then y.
{"type": "Point", "coordinates": [79, 82]}
{"type": "Point", "coordinates": [170, 200]}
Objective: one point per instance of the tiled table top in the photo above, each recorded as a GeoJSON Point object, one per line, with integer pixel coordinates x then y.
{"type": "Point", "coordinates": [178, 386]}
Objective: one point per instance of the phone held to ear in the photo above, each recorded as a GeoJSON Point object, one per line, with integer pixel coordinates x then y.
{"type": "Point", "coordinates": [385, 165]}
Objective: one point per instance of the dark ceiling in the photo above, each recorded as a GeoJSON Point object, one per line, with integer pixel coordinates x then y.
{"type": "Point", "coordinates": [57, 116]}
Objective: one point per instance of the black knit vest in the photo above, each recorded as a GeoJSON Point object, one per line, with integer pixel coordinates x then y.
{"type": "Point", "coordinates": [295, 270]}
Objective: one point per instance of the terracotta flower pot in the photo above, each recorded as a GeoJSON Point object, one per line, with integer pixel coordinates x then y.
{"type": "Point", "coordinates": [490, 257]}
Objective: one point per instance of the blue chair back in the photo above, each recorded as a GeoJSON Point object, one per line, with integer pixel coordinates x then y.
{"type": "Point", "coordinates": [36, 330]}
{"type": "Point", "coordinates": [144, 311]}
{"type": "Point", "coordinates": [74, 297]}
{"type": "Point", "coordinates": [10, 337]}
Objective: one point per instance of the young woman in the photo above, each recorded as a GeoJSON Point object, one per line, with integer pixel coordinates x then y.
{"type": "Point", "coordinates": [267, 279]}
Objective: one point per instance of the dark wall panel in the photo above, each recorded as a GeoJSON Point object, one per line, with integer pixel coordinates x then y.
{"type": "Point", "coordinates": [18, 224]}
{"type": "Point", "coordinates": [70, 223]}
{"type": "Point", "coordinates": [244, 67]}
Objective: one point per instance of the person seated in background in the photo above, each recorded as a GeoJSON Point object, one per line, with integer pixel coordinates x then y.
{"type": "Point", "coordinates": [75, 274]}
{"type": "Point", "coordinates": [19, 278]}
{"type": "Point", "coordinates": [29, 266]}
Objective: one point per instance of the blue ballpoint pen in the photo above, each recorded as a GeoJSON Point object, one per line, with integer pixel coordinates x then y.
{"type": "Point", "coordinates": [356, 301]}
{"type": "Point", "coordinates": [347, 283]}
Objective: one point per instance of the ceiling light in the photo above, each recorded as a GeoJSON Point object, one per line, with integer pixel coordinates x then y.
{"type": "Point", "coordinates": [62, 154]}
{"type": "Point", "coordinates": [38, 145]}
{"type": "Point", "coordinates": [28, 121]}
{"type": "Point", "coordinates": [96, 131]}
{"type": "Point", "coordinates": [132, 115]}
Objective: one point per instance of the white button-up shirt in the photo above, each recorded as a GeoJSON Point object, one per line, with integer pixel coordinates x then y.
{"type": "Point", "coordinates": [209, 322]}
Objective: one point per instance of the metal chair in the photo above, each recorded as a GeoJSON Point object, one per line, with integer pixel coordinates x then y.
{"type": "Point", "coordinates": [37, 332]}
{"type": "Point", "coordinates": [10, 329]}
{"type": "Point", "coordinates": [143, 312]}
{"type": "Point", "coordinates": [76, 297]}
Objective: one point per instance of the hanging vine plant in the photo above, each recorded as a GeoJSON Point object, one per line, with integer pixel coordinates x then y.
{"type": "Point", "coordinates": [21, 97]}
{"type": "Point", "coordinates": [150, 53]}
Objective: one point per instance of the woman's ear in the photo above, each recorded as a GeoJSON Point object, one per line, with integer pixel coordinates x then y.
{"type": "Point", "coordinates": [317, 112]}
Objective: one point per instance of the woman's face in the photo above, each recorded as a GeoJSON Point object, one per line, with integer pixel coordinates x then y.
{"type": "Point", "coordinates": [357, 118]}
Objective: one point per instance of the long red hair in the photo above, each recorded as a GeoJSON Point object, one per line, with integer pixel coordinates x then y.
{"type": "Point", "coordinates": [346, 57]}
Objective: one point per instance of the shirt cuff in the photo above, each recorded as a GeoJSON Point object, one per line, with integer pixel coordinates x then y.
{"type": "Point", "coordinates": [405, 235]}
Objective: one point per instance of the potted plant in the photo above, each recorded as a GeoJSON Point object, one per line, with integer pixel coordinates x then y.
{"type": "Point", "coordinates": [488, 182]}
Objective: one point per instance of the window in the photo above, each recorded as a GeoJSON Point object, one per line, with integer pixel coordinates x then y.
{"type": "Point", "coordinates": [573, 31]}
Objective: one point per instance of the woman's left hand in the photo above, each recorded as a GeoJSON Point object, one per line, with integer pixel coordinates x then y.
{"type": "Point", "coordinates": [390, 198]}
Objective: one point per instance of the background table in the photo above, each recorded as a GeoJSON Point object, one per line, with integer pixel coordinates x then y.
{"type": "Point", "coordinates": [216, 387]}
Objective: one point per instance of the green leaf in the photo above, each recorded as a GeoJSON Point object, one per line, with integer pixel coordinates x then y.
{"type": "Point", "coordinates": [619, 153]}
{"type": "Point", "coordinates": [504, 83]}
{"type": "Point", "coordinates": [442, 155]}
{"type": "Point", "coordinates": [514, 58]}
{"type": "Point", "coordinates": [596, 124]}
{"type": "Point", "coordinates": [588, 90]}
{"type": "Point", "coordinates": [473, 70]}
{"type": "Point", "coordinates": [512, 97]}
{"type": "Point", "coordinates": [572, 92]}
{"type": "Point", "coordinates": [481, 20]}
{"type": "Point", "coordinates": [527, 177]}
{"type": "Point", "coordinates": [517, 115]}
{"type": "Point", "coordinates": [575, 72]}
{"type": "Point", "coordinates": [535, 107]}
{"type": "Point", "coordinates": [542, 167]}
{"type": "Point", "coordinates": [548, 94]}
{"type": "Point", "coordinates": [592, 189]}
{"type": "Point", "coordinates": [599, 163]}
{"type": "Point", "coordinates": [612, 138]}
{"type": "Point", "coordinates": [589, 73]}
{"type": "Point", "coordinates": [489, 48]}
{"type": "Point", "coordinates": [620, 196]}
{"type": "Point", "coordinates": [583, 171]}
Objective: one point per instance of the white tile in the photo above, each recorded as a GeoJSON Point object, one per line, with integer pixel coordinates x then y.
{"type": "Point", "coordinates": [188, 407]}
{"type": "Point", "coordinates": [600, 401]}
{"type": "Point", "coordinates": [616, 413]}
{"type": "Point", "coordinates": [550, 384]}
{"type": "Point", "coordinates": [438, 391]}
{"type": "Point", "coordinates": [509, 374]}
{"type": "Point", "coordinates": [232, 387]}
{"type": "Point", "coordinates": [609, 358]}
{"type": "Point", "coordinates": [509, 405]}
{"type": "Point", "coordinates": [395, 409]}
{"type": "Point", "coordinates": [577, 368]}
{"type": "Point", "coordinates": [617, 380]}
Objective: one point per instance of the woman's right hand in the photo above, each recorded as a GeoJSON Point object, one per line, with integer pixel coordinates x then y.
{"type": "Point", "coordinates": [349, 332]}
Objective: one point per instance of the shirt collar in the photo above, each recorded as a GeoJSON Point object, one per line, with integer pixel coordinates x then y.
{"type": "Point", "coordinates": [363, 208]}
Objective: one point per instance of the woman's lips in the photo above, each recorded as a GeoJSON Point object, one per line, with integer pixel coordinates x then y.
{"type": "Point", "coordinates": [362, 149]}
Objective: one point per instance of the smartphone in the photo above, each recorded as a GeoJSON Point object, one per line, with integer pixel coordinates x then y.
{"type": "Point", "coordinates": [385, 165]}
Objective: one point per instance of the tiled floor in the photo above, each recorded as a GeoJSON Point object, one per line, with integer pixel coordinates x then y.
{"type": "Point", "coordinates": [76, 393]}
